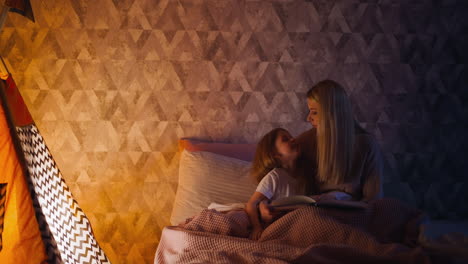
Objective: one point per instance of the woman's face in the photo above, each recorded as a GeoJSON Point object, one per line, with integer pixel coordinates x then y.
{"type": "Point", "coordinates": [286, 146]}
{"type": "Point", "coordinates": [313, 117]}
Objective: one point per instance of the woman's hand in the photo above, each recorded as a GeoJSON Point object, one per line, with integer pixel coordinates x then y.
{"type": "Point", "coordinates": [256, 233]}
{"type": "Point", "coordinates": [333, 195]}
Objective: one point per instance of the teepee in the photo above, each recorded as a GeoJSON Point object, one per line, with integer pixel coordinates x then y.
{"type": "Point", "coordinates": [40, 221]}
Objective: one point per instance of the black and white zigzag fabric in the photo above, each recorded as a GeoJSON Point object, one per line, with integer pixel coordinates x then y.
{"type": "Point", "coordinates": [67, 223]}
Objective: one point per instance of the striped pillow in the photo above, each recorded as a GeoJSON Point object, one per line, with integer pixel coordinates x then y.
{"type": "Point", "coordinates": [206, 177]}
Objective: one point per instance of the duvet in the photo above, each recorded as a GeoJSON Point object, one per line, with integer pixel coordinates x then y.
{"type": "Point", "coordinates": [386, 232]}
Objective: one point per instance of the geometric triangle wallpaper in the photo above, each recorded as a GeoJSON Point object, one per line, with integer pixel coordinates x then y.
{"type": "Point", "coordinates": [112, 86]}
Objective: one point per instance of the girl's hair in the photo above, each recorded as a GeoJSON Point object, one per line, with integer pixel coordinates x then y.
{"type": "Point", "coordinates": [264, 160]}
{"type": "Point", "coordinates": [335, 132]}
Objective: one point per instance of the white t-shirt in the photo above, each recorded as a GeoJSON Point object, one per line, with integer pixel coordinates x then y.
{"type": "Point", "coordinates": [278, 183]}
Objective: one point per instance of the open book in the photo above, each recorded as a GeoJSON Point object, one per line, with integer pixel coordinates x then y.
{"type": "Point", "coordinates": [293, 202]}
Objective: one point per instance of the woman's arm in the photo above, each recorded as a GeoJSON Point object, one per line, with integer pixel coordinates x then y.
{"type": "Point", "coordinates": [252, 211]}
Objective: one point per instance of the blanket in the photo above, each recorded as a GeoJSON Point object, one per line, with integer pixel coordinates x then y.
{"type": "Point", "coordinates": [386, 232]}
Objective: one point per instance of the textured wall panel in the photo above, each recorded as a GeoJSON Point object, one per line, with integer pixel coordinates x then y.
{"type": "Point", "coordinates": [112, 85]}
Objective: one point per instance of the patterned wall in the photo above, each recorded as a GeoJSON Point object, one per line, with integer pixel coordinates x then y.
{"type": "Point", "coordinates": [112, 85]}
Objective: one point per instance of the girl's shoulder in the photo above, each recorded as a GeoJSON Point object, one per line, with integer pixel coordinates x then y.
{"type": "Point", "coordinates": [277, 173]}
{"type": "Point", "coordinates": [272, 176]}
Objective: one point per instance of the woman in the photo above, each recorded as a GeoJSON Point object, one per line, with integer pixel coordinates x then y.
{"type": "Point", "coordinates": [337, 151]}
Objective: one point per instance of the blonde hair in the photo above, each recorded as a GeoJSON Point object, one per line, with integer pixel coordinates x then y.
{"type": "Point", "coordinates": [335, 132]}
{"type": "Point", "coordinates": [264, 159]}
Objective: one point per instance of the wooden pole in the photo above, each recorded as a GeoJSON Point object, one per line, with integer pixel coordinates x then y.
{"type": "Point", "coordinates": [3, 14]}
{"type": "Point", "coordinates": [3, 69]}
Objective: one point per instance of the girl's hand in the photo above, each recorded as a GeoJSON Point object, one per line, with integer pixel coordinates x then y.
{"type": "Point", "coordinates": [256, 233]}
{"type": "Point", "coordinates": [266, 212]}
{"type": "Point", "coordinates": [315, 197]}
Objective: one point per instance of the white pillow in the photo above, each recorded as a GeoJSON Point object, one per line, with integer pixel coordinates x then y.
{"type": "Point", "coordinates": [205, 177]}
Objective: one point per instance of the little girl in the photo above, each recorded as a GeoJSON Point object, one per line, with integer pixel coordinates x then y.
{"type": "Point", "coordinates": [274, 167]}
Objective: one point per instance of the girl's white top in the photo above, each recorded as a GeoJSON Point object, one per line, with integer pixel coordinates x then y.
{"type": "Point", "coordinates": [279, 183]}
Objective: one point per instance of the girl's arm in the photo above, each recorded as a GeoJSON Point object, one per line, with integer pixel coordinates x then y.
{"type": "Point", "coordinates": [252, 211]}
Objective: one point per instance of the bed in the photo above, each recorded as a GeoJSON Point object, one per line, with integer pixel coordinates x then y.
{"type": "Point", "coordinates": [218, 173]}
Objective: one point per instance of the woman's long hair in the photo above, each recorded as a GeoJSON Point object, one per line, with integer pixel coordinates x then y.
{"type": "Point", "coordinates": [264, 160]}
{"type": "Point", "coordinates": [335, 132]}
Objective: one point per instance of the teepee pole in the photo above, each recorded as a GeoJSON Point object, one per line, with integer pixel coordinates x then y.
{"type": "Point", "coordinates": [3, 69]}
{"type": "Point", "coordinates": [3, 14]}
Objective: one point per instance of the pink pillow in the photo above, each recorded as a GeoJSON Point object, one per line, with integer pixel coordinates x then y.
{"type": "Point", "coordinates": [242, 151]}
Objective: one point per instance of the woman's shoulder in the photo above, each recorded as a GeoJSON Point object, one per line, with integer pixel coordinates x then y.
{"type": "Point", "coordinates": [307, 141]}
{"type": "Point", "coordinates": [366, 137]}
{"type": "Point", "coordinates": [307, 137]}
{"type": "Point", "coordinates": [366, 142]}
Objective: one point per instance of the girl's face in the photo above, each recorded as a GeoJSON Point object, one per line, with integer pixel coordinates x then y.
{"type": "Point", "coordinates": [313, 117]}
{"type": "Point", "coordinates": [286, 147]}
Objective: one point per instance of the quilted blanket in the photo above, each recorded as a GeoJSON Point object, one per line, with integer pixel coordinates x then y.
{"type": "Point", "coordinates": [386, 232]}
